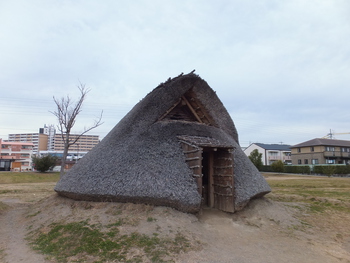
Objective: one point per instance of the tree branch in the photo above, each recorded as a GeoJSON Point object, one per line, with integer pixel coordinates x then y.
{"type": "Point", "coordinates": [67, 114]}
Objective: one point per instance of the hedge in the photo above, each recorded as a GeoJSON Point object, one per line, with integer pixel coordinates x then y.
{"type": "Point", "coordinates": [306, 169]}
{"type": "Point", "coordinates": [266, 168]}
{"type": "Point", "coordinates": [332, 169]}
{"type": "Point", "coordinates": [297, 169]}
{"type": "Point", "coordinates": [293, 169]}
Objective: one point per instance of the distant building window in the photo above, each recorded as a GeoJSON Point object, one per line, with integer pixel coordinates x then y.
{"type": "Point", "coordinates": [299, 161]}
{"type": "Point", "coordinates": [306, 161]}
{"type": "Point", "coordinates": [329, 149]}
{"type": "Point", "coordinates": [299, 150]}
{"type": "Point", "coordinates": [314, 161]}
{"type": "Point", "coordinates": [330, 161]}
{"type": "Point", "coordinates": [312, 149]}
{"type": "Point", "coordinates": [26, 147]}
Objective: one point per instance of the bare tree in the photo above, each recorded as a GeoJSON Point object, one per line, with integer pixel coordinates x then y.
{"type": "Point", "coordinates": [66, 113]}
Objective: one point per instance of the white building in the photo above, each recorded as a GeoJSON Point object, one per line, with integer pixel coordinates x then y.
{"type": "Point", "coordinates": [271, 152]}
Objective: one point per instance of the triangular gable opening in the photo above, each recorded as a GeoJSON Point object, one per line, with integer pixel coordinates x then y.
{"type": "Point", "coordinates": [187, 108]}
{"type": "Point", "coordinates": [180, 111]}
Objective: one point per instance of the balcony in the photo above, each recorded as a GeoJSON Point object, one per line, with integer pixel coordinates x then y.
{"type": "Point", "coordinates": [345, 154]}
{"type": "Point", "coordinates": [25, 150]}
{"type": "Point", "coordinates": [333, 154]}
{"type": "Point", "coordinates": [287, 158]}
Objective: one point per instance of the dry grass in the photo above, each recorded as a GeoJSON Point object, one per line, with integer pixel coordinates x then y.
{"type": "Point", "coordinates": [327, 201]}
{"type": "Point", "coordinates": [26, 186]}
{"type": "Point", "coordinates": [323, 202]}
{"type": "Point", "coordinates": [320, 192]}
{"type": "Point", "coordinates": [27, 177]}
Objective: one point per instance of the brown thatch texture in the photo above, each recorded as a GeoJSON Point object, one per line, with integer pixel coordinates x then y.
{"type": "Point", "coordinates": [141, 160]}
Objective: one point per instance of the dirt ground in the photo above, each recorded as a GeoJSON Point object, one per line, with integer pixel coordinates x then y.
{"type": "Point", "coordinates": [266, 231]}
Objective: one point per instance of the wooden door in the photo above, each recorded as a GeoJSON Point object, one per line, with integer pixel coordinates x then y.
{"type": "Point", "coordinates": [222, 180]}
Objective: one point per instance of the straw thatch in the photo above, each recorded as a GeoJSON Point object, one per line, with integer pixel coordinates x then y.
{"type": "Point", "coordinates": [141, 159]}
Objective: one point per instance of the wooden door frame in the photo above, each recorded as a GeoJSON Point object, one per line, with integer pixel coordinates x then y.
{"type": "Point", "coordinates": [211, 195]}
{"type": "Point", "coordinates": [211, 164]}
{"type": "Point", "coordinates": [218, 194]}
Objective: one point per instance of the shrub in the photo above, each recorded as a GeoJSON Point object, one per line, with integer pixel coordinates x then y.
{"type": "Point", "coordinates": [45, 163]}
{"type": "Point", "coordinates": [278, 166]}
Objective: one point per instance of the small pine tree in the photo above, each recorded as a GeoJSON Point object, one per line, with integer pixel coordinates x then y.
{"type": "Point", "coordinates": [329, 170]}
{"type": "Point", "coordinates": [256, 159]}
{"type": "Point", "coordinates": [278, 166]}
{"type": "Point", "coordinates": [45, 163]}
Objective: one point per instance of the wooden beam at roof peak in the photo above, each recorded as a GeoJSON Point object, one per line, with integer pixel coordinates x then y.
{"type": "Point", "coordinates": [191, 109]}
{"type": "Point", "coordinates": [170, 109]}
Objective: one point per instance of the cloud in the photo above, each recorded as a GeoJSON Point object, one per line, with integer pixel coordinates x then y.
{"type": "Point", "coordinates": [280, 67]}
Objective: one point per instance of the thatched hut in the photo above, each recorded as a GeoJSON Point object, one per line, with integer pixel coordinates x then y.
{"type": "Point", "coordinates": [177, 147]}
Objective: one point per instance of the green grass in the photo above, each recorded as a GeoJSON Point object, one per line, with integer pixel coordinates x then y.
{"type": "Point", "coordinates": [86, 241]}
{"type": "Point", "coordinates": [2, 255]}
{"type": "Point", "coordinates": [27, 177]}
{"type": "Point", "coordinates": [151, 219]}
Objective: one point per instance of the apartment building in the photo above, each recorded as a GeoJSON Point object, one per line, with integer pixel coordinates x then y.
{"type": "Point", "coordinates": [15, 156]}
{"type": "Point", "coordinates": [50, 131]}
{"type": "Point", "coordinates": [84, 144]}
{"type": "Point", "coordinates": [39, 140]}
{"type": "Point", "coordinates": [43, 140]}
{"type": "Point", "coordinates": [271, 152]}
{"type": "Point", "coordinates": [48, 140]}
{"type": "Point", "coordinates": [321, 151]}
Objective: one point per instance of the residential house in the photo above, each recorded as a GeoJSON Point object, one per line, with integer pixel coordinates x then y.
{"type": "Point", "coordinates": [15, 156]}
{"type": "Point", "coordinates": [271, 152]}
{"type": "Point", "coordinates": [321, 151]}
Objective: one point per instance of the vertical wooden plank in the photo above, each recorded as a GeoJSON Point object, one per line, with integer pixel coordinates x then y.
{"type": "Point", "coordinates": [223, 180]}
{"type": "Point", "coordinates": [211, 180]}
{"type": "Point", "coordinates": [193, 155]}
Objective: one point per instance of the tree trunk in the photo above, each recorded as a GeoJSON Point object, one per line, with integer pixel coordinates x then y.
{"type": "Point", "coordinates": [65, 153]}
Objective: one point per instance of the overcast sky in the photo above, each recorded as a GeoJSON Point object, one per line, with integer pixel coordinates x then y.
{"type": "Point", "coordinates": [281, 68]}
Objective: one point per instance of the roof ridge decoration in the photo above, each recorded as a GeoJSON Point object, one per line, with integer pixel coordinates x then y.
{"type": "Point", "coordinates": [144, 158]}
{"type": "Point", "coordinates": [175, 78]}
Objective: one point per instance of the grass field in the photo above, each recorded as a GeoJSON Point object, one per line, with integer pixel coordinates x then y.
{"type": "Point", "coordinates": [321, 193]}
{"type": "Point", "coordinates": [324, 204]}
{"type": "Point", "coordinates": [27, 177]}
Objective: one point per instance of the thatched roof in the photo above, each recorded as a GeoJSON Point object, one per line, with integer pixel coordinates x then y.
{"type": "Point", "coordinates": [141, 160]}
